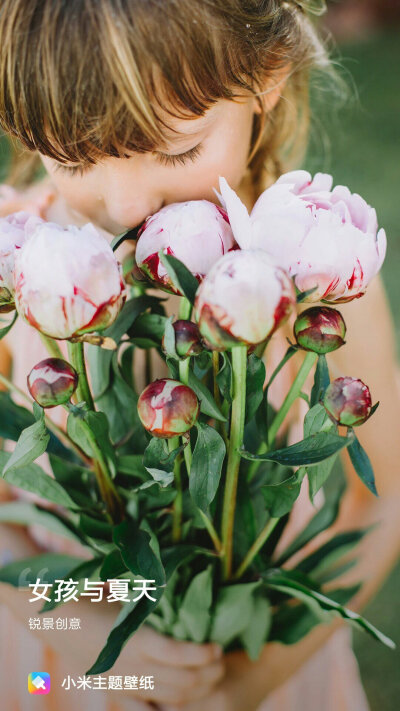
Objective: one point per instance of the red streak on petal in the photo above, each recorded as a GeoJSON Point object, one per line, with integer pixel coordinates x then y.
{"type": "Point", "coordinates": [223, 213]}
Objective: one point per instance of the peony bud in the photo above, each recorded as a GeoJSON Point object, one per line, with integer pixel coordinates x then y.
{"type": "Point", "coordinates": [52, 382]}
{"type": "Point", "coordinates": [320, 329]}
{"type": "Point", "coordinates": [14, 230]}
{"type": "Point", "coordinates": [244, 299]}
{"type": "Point", "coordinates": [323, 238]}
{"type": "Point", "coordinates": [348, 401]}
{"type": "Point", "coordinates": [168, 408]}
{"type": "Point", "coordinates": [188, 341]}
{"type": "Point", "coordinates": [196, 232]}
{"type": "Point", "coordinates": [67, 281]}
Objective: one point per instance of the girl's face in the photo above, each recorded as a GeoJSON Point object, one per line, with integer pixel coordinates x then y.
{"type": "Point", "coordinates": [119, 193]}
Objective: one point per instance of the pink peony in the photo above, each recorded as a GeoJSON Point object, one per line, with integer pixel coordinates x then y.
{"type": "Point", "coordinates": [67, 281]}
{"type": "Point", "coordinates": [14, 231]}
{"type": "Point", "coordinates": [196, 232]}
{"type": "Point", "coordinates": [321, 237]}
{"type": "Point", "coordinates": [243, 299]}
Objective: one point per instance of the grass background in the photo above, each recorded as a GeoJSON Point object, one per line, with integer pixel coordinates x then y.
{"type": "Point", "coordinates": [363, 152]}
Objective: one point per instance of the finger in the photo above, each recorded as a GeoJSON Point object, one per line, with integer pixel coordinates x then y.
{"type": "Point", "coordinates": [175, 653]}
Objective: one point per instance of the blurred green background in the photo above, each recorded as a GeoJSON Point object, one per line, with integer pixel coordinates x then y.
{"type": "Point", "coordinates": [359, 143]}
{"type": "Point", "coordinates": [364, 153]}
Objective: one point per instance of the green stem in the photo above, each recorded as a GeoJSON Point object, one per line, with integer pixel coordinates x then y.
{"type": "Point", "coordinates": [52, 346]}
{"type": "Point", "coordinates": [57, 431]}
{"type": "Point", "coordinates": [211, 530]}
{"type": "Point", "coordinates": [77, 357]}
{"type": "Point", "coordinates": [185, 309]}
{"type": "Point", "coordinates": [184, 366]}
{"type": "Point", "coordinates": [173, 443]}
{"type": "Point", "coordinates": [293, 393]}
{"type": "Point", "coordinates": [256, 547]}
{"type": "Point", "coordinates": [239, 362]}
{"type": "Point", "coordinates": [108, 492]}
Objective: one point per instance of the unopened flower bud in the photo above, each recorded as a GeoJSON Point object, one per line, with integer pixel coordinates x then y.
{"type": "Point", "coordinates": [52, 382]}
{"type": "Point", "coordinates": [320, 329]}
{"type": "Point", "coordinates": [188, 341]}
{"type": "Point", "coordinates": [197, 233]}
{"type": "Point", "coordinates": [168, 408]}
{"type": "Point", "coordinates": [348, 401]}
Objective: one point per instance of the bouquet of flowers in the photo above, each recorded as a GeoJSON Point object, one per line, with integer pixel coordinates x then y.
{"type": "Point", "coordinates": [181, 492]}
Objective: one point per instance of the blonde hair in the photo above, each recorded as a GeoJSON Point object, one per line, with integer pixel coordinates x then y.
{"type": "Point", "coordinates": [83, 79]}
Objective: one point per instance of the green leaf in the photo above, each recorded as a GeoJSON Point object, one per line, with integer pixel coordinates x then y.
{"type": "Point", "coordinates": [182, 279]}
{"type": "Point", "coordinates": [148, 326]}
{"type": "Point", "coordinates": [255, 378]}
{"type": "Point", "coordinates": [138, 552]}
{"type": "Point", "coordinates": [293, 622]}
{"type": "Point", "coordinates": [129, 234]}
{"type": "Point", "coordinates": [321, 380]}
{"type": "Point", "coordinates": [233, 611]}
{"type": "Point", "coordinates": [286, 582]}
{"type": "Point", "coordinates": [324, 518]}
{"type": "Point", "coordinates": [78, 481]}
{"type": "Point", "coordinates": [77, 432]}
{"type": "Point", "coordinates": [207, 403]}
{"type": "Point", "coordinates": [205, 473]}
{"type": "Point", "coordinates": [32, 442]}
{"type": "Point", "coordinates": [119, 403]}
{"type": "Point", "coordinates": [362, 464]}
{"type": "Point", "coordinates": [317, 420]}
{"type": "Point", "coordinates": [256, 633]}
{"type": "Point", "coordinates": [32, 478]}
{"type": "Point", "coordinates": [29, 514]}
{"type": "Point", "coordinates": [224, 377]}
{"type": "Point", "coordinates": [301, 295]}
{"type": "Point", "coordinates": [159, 462]}
{"type": "Point", "coordinates": [113, 566]}
{"type": "Point", "coordinates": [194, 611]}
{"type": "Point", "coordinates": [289, 353]}
{"type": "Point", "coordinates": [333, 549]}
{"type": "Point", "coordinates": [6, 329]}
{"type": "Point", "coordinates": [310, 450]}
{"type": "Point", "coordinates": [85, 569]}
{"type": "Point", "coordinates": [134, 614]}
{"type": "Point", "coordinates": [279, 498]}
{"type": "Point", "coordinates": [132, 465]}
{"type": "Point", "coordinates": [169, 339]}
{"type": "Point", "coordinates": [98, 424]}
{"type": "Point", "coordinates": [99, 359]}
{"type": "Point", "coordinates": [14, 419]}
{"type": "Point", "coordinates": [46, 566]}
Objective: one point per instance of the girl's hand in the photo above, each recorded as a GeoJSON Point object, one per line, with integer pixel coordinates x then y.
{"type": "Point", "coordinates": [183, 672]}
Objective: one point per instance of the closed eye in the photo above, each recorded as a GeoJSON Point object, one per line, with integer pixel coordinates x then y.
{"type": "Point", "coordinates": [163, 158]}
{"type": "Point", "coordinates": [181, 158]}
{"type": "Point", "coordinates": [72, 169]}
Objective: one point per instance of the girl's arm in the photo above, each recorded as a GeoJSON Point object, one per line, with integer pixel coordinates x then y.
{"type": "Point", "coordinates": [369, 354]}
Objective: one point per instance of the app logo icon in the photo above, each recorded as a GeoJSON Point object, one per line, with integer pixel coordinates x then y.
{"type": "Point", "coordinates": [38, 683]}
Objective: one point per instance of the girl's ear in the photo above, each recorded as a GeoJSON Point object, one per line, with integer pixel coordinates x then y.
{"type": "Point", "coordinates": [272, 91]}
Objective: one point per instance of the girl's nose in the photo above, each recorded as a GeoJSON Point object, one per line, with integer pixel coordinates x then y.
{"type": "Point", "coordinates": [130, 214]}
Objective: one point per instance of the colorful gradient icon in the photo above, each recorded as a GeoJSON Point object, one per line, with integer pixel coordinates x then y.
{"type": "Point", "coordinates": [38, 683]}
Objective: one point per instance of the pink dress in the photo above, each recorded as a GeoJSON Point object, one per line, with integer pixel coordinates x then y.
{"type": "Point", "coordinates": [329, 680]}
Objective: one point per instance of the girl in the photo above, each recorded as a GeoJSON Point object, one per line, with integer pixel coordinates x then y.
{"type": "Point", "coordinates": [131, 105]}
